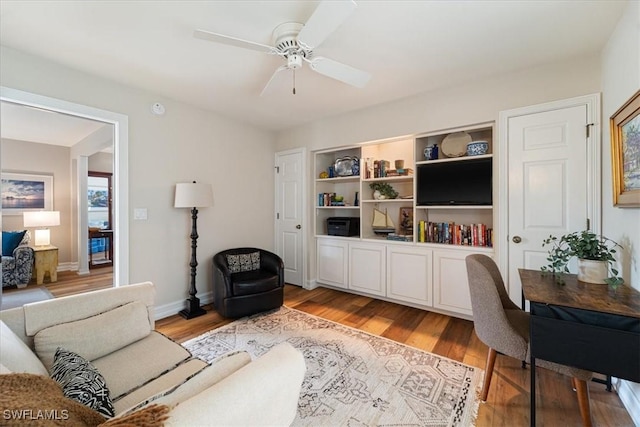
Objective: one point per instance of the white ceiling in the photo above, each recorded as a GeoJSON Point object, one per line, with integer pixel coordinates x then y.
{"type": "Point", "coordinates": [24, 123]}
{"type": "Point", "coordinates": [409, 47]}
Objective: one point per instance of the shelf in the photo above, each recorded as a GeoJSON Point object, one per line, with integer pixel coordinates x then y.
{"type": "Point", "coordinates": [388, 201]}
{"type": "Point", "coordinates": [338, 237]}
{"type": "Point", "coordinates": [337, 207]}
{"type": "Point", "coordinates": [457, 207]}
{"type": "Point", "coordinates": [353, 178]}
{"type": "Point", "coordinates": [385, 240]}
{"type": "Point", "coordinates": [488, 249]}
{"type": "Point", "coordinates": [454, 159]}
{"type": "Point", "coordinates": [401, 178]}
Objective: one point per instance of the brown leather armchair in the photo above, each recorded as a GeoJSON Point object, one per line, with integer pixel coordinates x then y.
{"type": "Point", "coordinates": [247, 281]}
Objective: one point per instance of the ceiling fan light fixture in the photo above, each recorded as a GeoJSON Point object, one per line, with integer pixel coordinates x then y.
{"type": "Point", "coordinates": [295, 42]}
{"type": "Point", "coordinates": [294, 61]}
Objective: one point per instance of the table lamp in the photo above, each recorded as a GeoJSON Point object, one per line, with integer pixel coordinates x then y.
{"type": "Point", "coordinates": [194, 196]}
{"type": "Point", "coordinates": [42, 219]}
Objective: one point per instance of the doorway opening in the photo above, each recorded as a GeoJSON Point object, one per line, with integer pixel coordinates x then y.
{"type": "Point", "coordinates": [100, 219]}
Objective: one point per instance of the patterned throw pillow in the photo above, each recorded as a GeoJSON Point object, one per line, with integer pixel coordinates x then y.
{"type": "Point", "coordinates": [244, 262]}
{"type": "Point", "coordinates": [81, 381]}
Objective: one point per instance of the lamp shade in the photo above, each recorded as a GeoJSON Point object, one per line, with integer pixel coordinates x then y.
{"type": "Point", "coordinates": [41, 218]}
{"type": "Point", "coordinates": [193, 195]}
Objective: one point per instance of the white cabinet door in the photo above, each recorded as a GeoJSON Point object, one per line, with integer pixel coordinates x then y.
{"type": "Point", "coordinates": [409, 274]}
{"type": "Point", "coordinates": [332, 262]}
{"type": "Point", "coordinates": [451, 286]}
{"type": "Point", "coordinates": [367, 268]}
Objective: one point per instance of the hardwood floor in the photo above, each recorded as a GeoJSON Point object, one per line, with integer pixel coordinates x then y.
{"type": "Point", "coordinates": [508, 401]}
{"type": "Point", "coordinates": [70, 283]}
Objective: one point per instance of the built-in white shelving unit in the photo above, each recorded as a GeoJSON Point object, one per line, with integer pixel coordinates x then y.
{"type": "Point", "coordinates": [420, 271]}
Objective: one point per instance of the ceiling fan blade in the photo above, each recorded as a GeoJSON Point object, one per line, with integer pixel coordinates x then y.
{"type": "Point", "coordinates": [339, 71]}
{"type": "Point", "coordinates": [325, 20]}
{"type": "Point", "coordinates": [232, 41]}
{"type": "Point", "coordinates": [277, 79]}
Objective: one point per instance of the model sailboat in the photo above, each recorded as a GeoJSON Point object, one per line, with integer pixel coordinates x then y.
{"type": "Point", "coordinates": [382, 223]}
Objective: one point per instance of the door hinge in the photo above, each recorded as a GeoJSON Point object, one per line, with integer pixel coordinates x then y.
{"type": "Point", "coordinates": [589, 129]}
{"type": "Point", "coordinates": [588, 224]}
{"type": "Point", "coordinates": [277, 169]}
{"type": "Point", "coordinates": [277, 215]}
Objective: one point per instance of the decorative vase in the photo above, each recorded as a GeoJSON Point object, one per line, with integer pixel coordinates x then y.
{"type": "Point", "coordinates": [377, 195]}
{"type": "Point", "coordinates": [591, 271]}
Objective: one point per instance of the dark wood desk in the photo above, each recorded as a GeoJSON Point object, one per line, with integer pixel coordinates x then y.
{"type": "Point", "coordinates": [584, 325]}
{"type": "Point", "coordinates": [108, 236]}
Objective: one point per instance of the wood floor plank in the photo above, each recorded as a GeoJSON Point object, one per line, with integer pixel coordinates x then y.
{"type": "Point", "coordinates": [427, 334]}
{"type": "Point", "coordinates": [454, 339]}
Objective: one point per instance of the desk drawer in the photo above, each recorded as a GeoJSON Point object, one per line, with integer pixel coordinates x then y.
{"type": "Point", "coordinates": [604, 350]}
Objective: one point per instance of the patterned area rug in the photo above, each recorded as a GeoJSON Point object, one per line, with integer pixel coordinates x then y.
{"type": "Point", "coordinates": [354, 378]}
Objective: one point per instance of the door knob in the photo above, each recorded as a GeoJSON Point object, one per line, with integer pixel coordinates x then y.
{"type": "Point", "coordinates": [298, 226]}
{"type": "Point", "coordinates": [517, 239]}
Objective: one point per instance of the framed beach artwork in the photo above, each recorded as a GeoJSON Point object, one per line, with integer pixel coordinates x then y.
{"type": "Point", "coordinates": [625, 153]}
{"type": "Point", "coordinates": [26, 192]}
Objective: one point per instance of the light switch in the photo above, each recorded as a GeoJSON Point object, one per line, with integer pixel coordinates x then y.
{"type": "Point", "coordinates": [140, 214]}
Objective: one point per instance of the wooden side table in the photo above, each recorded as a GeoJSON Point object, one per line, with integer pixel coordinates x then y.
{"type": "Point", "coordinates": [46, 260]}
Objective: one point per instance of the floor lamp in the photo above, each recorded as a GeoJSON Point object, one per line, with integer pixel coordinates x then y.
{"type": "Point", "coordinates": [194, 196]}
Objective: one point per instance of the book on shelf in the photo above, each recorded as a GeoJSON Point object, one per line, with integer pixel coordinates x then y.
{"type": "Point", "coordinates": [451, 233]}
{"type": "Point", "coordinates": [329, 199]}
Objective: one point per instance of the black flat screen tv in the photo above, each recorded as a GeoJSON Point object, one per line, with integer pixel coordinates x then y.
{"type": "Point", "coordinates": [455, 183]}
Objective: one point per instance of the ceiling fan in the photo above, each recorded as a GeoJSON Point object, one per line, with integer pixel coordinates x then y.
{"type": "Point", "coordinates": [295, 42]}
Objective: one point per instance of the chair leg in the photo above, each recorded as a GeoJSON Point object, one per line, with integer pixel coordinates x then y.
{"type": "Point", "coordinates": [582, 390]}
{"type": "Point", "coordinates": [488, 373]}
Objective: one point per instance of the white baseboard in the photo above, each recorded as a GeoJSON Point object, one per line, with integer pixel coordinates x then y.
{"type": "Point", "coordinates": [629, 394]}
{"type": "Point", "coordinates": [67, 266]}
{"type": "Point", "coordinates": [166, 310]}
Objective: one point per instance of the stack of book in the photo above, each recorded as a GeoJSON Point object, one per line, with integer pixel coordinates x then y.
{"type": "Point", "coordinates": [455, 234]}
{"type": "Point", "coordinates": [400, 237]}
{"type": "Point", "coordinates": [328, 199]}
{"type": "Point", "coordinates": [400, 172]}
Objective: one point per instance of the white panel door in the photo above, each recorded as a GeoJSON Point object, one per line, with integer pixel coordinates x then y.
{"type": "Point", "coordinates": [410, 274]}
{"type": "Point", "coordinates": [332, 262]}
{"type": "Point", "coordinates": [451, 284]}
{"type": "Point", "coordinates": [547, 184]}
{"type": "Point", "coordinates": [289, 214]}
{"type": "Point", "coordinates": [367, 268]}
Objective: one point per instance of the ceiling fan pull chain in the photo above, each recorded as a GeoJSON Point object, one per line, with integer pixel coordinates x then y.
{"type": "Point", "coordinates": [294, 81]}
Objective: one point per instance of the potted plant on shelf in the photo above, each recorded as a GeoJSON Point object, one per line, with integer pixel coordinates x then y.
{"type": "Point", "coordinates": [594, 254]}
{"type": "Point", "coordinates": [382, 190]}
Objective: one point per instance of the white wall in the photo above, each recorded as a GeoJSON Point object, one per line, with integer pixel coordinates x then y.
{"type": "Point", "coordinates": [32, 157]}
{"type": "Point", "coordinates": [620, 80]}
{"type": "Point", "coordinates": [185, 144]}
{"type": "Point", "coordinates": [476, 102]}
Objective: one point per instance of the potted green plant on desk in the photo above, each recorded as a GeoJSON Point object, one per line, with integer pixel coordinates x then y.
{"type": "Point", "coordinates": [595, 256]}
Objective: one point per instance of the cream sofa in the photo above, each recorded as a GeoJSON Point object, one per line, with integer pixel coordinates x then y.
{"type": "Point", "coordinates": [114, 330]}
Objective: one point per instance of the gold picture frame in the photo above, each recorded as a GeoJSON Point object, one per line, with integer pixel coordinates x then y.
{"type": "Point", "coordinates": [625, 153]}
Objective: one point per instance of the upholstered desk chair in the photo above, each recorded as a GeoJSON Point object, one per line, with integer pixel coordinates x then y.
{"type": "Point", "coordinates": [504, 328]}
{"type": "Point", "coordinates": [247, 281]}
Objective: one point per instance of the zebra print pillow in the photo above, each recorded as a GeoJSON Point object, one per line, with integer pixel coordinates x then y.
{"type": "Point", "coordinates": [81, 381]}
